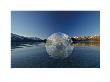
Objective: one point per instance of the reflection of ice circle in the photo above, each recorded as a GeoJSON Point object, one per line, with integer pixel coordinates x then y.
{"type": "Point", "coordinates": [58, 45]}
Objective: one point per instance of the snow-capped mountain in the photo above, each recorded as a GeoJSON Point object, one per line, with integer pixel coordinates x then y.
{"type": "Point", "coordinates": [15, 37]}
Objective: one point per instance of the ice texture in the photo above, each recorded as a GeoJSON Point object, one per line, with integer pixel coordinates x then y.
{"type": "Point", "coordinates": [58, 45]}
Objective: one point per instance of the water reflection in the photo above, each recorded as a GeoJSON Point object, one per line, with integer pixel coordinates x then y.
{"type": "Point", "coordinates": [76, 44]}
{"type": "Point", "coordinates": [59, 50]}
{"type": "Point", "coordinates": [34, 55]}
{"type": "Point", "coordinates": [15, 45]}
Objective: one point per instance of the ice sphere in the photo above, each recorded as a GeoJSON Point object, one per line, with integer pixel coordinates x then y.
{"type": "Point", "coordinates": [58, 45]}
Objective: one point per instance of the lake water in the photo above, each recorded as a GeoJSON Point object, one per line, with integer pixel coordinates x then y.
{"type": "Point", "coordinates": [34, 55]}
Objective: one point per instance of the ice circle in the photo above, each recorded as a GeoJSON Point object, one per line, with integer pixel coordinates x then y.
{"type": "Point", "coordinates": [58, 45]}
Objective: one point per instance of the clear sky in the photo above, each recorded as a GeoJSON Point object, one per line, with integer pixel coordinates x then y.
{"type": "Point", "coordinates": [43, 23]}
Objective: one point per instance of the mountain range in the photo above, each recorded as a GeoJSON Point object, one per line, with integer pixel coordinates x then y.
{"type": "Point", "coordinates": [18, 38]}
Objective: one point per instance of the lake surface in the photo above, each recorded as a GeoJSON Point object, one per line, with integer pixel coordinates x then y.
{"type": "Point", "coordinates": [34, 55]}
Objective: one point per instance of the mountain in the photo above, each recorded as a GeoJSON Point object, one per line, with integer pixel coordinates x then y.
{"type": "Point", "coordinates": [86, 38]}
{"type": "Point", "coordinates": [18, 38]}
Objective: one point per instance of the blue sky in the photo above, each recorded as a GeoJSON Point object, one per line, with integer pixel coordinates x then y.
{"type": "Point", "coordinates": [43, 23]}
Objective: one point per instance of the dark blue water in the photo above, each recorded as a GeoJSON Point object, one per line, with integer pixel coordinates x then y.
{"type": "Point", "coordinates": [34, 55]}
